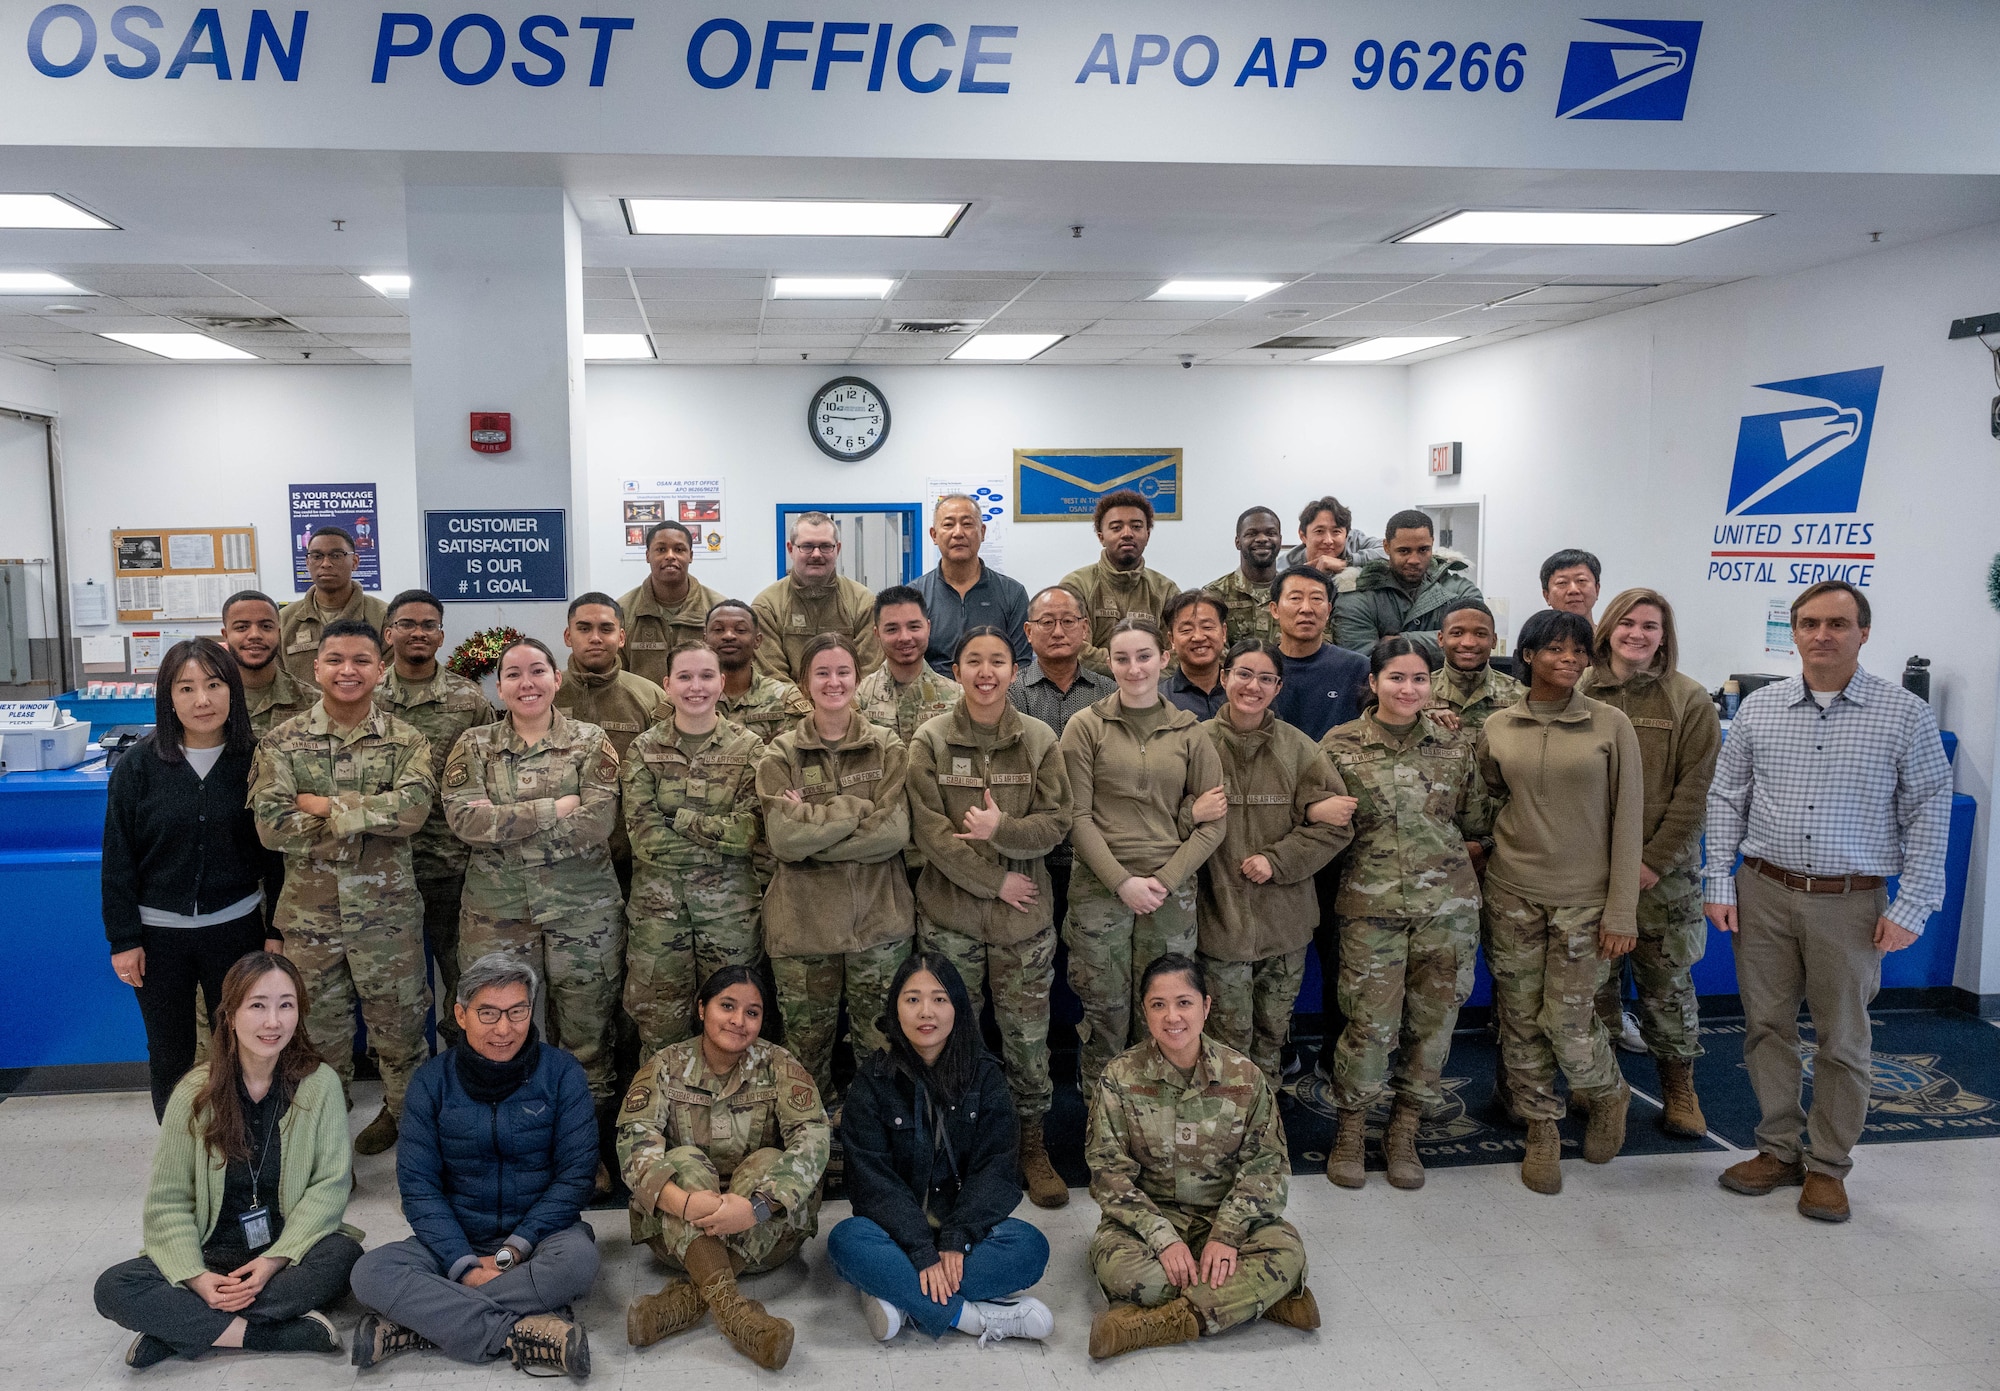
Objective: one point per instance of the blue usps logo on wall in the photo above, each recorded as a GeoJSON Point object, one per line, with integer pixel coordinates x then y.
{"type": "Point", "coordinates": [1809, 458]}
{"type": "Point", "coordinates": [1642, 76]}
{"type": "Point", "coordinates": [1062, 485]}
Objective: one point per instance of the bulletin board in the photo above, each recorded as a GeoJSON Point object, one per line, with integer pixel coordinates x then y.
{"type": "Point", "coordinates": [180, 572]}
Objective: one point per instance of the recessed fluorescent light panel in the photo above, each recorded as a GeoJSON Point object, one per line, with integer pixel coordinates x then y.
{"type": "Point", "coordinates": [182, 347]}
{"type": "Point", "coordinates": [1005, 347]}
{"type": "Point", "coordinates": [830, 287]}
{"type": "Point", "coordinates": [37, 282]}
{"type": "Point", "coordinates": [617, 347]}
{"type": "Point", "coordinates": [1552, 228]}
{"type": "Point", "coordinates": [388, 286]}
{"type": "Point", "coordinates": [1244, 290]}
{"type": "Point", "coordinates": [47, 210]}
{"type": "Point", "coordinates": [1382, 349]}
{"type": "Point", "coordinates": [788, 217]}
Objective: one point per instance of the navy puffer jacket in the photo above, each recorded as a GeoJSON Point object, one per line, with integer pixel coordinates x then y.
{"type": "Point", "coordinates": [472, 1174]}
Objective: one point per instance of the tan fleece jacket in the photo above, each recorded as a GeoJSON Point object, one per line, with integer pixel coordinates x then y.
{"type": "Point", "coordinates": [1128, 791]}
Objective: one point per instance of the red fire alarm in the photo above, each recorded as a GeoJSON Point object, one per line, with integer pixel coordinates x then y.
{"type": "Point", "coordinates": [492, 432]}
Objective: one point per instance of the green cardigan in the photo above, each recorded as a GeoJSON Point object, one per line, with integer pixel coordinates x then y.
{"type": "Point", "coordinates": [185, 1194]}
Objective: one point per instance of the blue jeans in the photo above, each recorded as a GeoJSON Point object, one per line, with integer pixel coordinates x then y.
{"type": "Point", "coordinates": [1011, 1259]}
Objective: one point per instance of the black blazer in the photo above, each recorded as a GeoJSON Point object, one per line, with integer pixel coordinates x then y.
{"type": "Point", "coordinates": [176, 842]}
{"type": "Point", "coordinates": [893, 1165]}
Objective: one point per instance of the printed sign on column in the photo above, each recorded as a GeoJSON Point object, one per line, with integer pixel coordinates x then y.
{"type": "Point", "coordinates": [488, 557]}
{"type": "Point", "coordinates": [991, 496]}
{"type": "Point", "coordinates": [349, 506]}
{"type": "Point", "coordinates": [696, 503]}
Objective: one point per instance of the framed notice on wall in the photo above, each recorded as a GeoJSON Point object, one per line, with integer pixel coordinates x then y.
{"type": "Point", "coordinates": [180, 572]}
{"type": "Point", "coordinates": [1063, 485]}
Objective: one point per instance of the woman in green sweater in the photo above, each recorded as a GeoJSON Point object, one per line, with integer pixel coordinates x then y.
{"type": "Point", "coordinates": [243, 1237]}
{"type": "Point", "coordinates": [1137, 766]}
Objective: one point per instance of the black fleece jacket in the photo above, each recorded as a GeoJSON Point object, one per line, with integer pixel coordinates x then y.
{"type": "Point", "coordinates": [895, 1167]}
{"type": "Point", "coordinates": [175, 841]}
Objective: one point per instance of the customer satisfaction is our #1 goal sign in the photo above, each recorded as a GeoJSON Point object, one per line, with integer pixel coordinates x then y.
{"type": "Point", "coordinates": [489, 556]}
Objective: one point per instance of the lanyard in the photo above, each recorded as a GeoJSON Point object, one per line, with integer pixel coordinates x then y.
{"type": "Point", "coordinates": [258, 1155]}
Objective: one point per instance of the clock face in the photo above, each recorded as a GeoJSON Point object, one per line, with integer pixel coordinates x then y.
{"type": "Point", "coordinates": [848, 419]}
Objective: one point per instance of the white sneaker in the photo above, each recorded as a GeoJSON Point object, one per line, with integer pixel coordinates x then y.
{"type": "Point", "coordinates": [1014, 1318]}
{"type": "Point", "coordinates": [1629, 1039]}
{"type": "Point", "coordinates": [884, 1319]}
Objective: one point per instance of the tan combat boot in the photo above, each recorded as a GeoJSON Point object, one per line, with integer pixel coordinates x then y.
{"type": "Point", "coordinates": [652, 1317]}
{"type": "Point", "coordinates": [1296, 1310]}
{"type": "Point", "coordinates": [1682, 1114]}
{"type": "Point", "coordinates": [1045, 1186]}
{"type": "Point", "coordinates": [1541, 1166]}
{"type": "Point", "coordinates": [1605, 1135]}
{"type": "Point", "coordinates": [1127, 1328]}
{"type": "Point", "coordinates": [1347, 1162]}
{"type": "Point", "coordinates": [763, 1338]}
{"type": "Point", "coordinates": [1399, 1146]}
{"type": "Point", "coordinates": [379, 1135]}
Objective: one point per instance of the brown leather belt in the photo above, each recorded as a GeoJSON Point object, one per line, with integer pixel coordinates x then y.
{"type": "Point", "coordinates": [1815, 883]}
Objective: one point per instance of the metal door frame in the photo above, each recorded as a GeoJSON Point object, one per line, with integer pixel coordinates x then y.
{"type": "Point", "coordinates": [913, 555]}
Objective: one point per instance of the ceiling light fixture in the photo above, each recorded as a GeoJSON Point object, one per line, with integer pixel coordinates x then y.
{"type": "Point", "coordinates": [182, 347]}
{"type": "Point", "coordinates": [1559, 228]}
{"type": "Point", "coordinates": [1244, 290]}
{"type": "Point", "coordinates": [37, 282]}
{"type": "Point", "coordinates": [617, 347]}
{"type": "Point", "coordinates": [388, 286]}
{"type": "Point", "coordinates": [787, 217]}
{"type": "Point", "coordinates": [831, 287]}
{"type": "Point", "coordinates": [1382, 349]}
{"type": "Point", "coordinates": [49, 210]}
{"type": "Point", "coordinates": [1005, 347]}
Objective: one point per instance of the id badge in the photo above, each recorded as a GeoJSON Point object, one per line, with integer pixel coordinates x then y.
{"type": "Point", "coordinates": [256, 1227]}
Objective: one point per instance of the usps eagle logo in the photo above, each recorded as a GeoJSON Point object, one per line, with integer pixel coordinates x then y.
{"type": "Point", "coordinates": [1642, 74]}
{"type": "Point", "coordinates": [1809, 457]}
{"type": "Point", "coordinates": [1451, 1122]}
{"type": "Point", "coordinates": [1910, 1084]}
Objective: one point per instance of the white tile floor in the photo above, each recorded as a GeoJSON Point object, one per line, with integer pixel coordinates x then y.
{"type": "Point", "coordinates": [1643, 1273]}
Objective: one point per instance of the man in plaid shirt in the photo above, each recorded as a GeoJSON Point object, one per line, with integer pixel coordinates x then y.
{"type": "Point", "coordinates": [1829, 783]}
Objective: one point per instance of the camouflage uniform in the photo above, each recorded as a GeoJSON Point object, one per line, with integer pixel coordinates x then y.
{"type": "Point", "coordinates": [1408, 905]}
{"type": "Point", "coordinates": [767, 709]}
{"type": "Point", "coordinates": [838, 914]}
{"type": "Point", "coordinates": [301, 622]}
{"type": "Point", "coordinates": [440, 709]}
{"type": "Point", "coordinates": [691, 805]}
{"type": "Point", "coordinates": [1249, 608]}
{"type": "Point", "coordinates": [1490, 690]}
{"type": "Point", "coordinates": [954, 765]}
{"type": "Point", "coordinates": [1195, 1160]}
{"type": "Point", "coordinates": [653, 631]}
{"type": "Point", "coordinates": [790, 614]}
{"type": "Point", "coordinates": [1546, 969]}
{"type": "Point", "coordinates": [539, 886]}
{"type": "Point", "coordinates": [905, 709]}
{"type": "Point", "coordinates": [1253, 937]}
{"type": "Point", "coordinates": [286, 696]}
{"type": "Point", "coordinates": [349, 911]}
{"type": "Point", "coordinates": [624, 706]}
{"type": "Point", "coordinates": [761, 1129]}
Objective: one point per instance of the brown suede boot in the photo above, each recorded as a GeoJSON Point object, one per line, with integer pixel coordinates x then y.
{"type": "Point", "coordinates": [652, 1317]}
{"type": "Point", "coordinates": [1296, 1310]}
{"type": "Point", "coordinates": [379, 1135]}
{"type": "Point", "coordinates": [1127, 1328]}
{"type": "Point", "coordinates": [1682, 1108]}
{"type": "Point", "coordinates": [1399, 1146]}
{"type": "Point", "coordinates": [759, 1336]}
{"type": "Point", "coordinates": [1605, 1135]}
{"type": "Point", "coordinates": [1541, 1166]}
{"type": "Point", "coordinates": [1759, 1175]}
{"type": "Point", "coordinates": [1347, 1162]}
{"type": "Point", "coordinates": [1045, 1186]}
{"type": "Point", "coordinates": [1824, 1198]}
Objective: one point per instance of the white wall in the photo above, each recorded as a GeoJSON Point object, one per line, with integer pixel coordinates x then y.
{"type": "Point", "coordinates": [1618, 436]}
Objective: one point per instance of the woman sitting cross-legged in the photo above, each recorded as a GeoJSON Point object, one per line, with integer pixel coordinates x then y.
{"type": "Point", "coordinates": [932, 1141]}
{"type": "Point", "coordinates": [243, 1238]}
{"type": "Point", "coordinates": [1188, 1165]}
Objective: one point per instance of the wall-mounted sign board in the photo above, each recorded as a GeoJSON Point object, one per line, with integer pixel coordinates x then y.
{"type": "Point", "coordinates": [181, 572]}
{"type": "Point", "coordinates": [1063, 485]}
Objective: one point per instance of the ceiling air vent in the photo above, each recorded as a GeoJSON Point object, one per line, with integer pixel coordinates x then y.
{"type": "Point", "coordinates": [934, 326]}
{"type": "Point", "coordinates": [262, 323]}
{"type": "Point", "coordinates": [1297, 340]}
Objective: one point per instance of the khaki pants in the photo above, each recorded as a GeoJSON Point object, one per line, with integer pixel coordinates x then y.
{"type": "Point", "coordinates": [1819, 950]}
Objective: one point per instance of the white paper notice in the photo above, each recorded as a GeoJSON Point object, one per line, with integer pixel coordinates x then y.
{"type": "Point", "coordinates": [180, 597]}
{"type": "Point", "coordinates": [192, 551]}
{"type": "Point", "coordinates": [1778, 629]}
{"type": "Point", "coordinates": [994, 506]}
{"type": "Point", "coordinates": [696, 503]}
{"type": "Point", "coordinates": [104, 650]}
{"type": "Point", "coordinates": [89, 604]}
{"type": "Point", "coordinates": [138, 595]}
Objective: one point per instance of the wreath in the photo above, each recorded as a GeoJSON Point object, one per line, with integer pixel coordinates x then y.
{"type": "Point", "coordinates": [476, 657]}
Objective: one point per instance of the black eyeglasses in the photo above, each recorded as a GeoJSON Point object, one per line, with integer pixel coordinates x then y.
{"type": "Point", "coordinates": [516, 1014]}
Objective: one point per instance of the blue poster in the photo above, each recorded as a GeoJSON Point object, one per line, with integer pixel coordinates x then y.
{"type": "Point", "coordinates": [1063, 485]}
{"type": "Point", "coordinates": [487, 557]}
{"type": "Point", "coordinates": [349, 506]}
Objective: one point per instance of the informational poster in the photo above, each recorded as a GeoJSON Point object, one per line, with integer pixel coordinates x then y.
{"type": "Point", "coordinates": [349, 506]}
{"type": "Point", "coordinates": [1063, 485]}
{"type": "Point", "coordinates": [177, 572]}
{"type": "Point", "coordinates": [1778, 629]}
{"type": "Point", "coordinates": [995, 506]}
{"type": "Point", "coordinates": [491, 556]}
{"type": "Point", "coordinates": [696, 503]}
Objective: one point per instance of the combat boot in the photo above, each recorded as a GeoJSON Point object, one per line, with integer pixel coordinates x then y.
{"type": "Point", "coordinates": [1045, 1186]}
{"type": "Point", "coordinates": [1605, 1135]}
{"type": "Point", "coordinates": [1347, 1162]}
{"type": "Point", "coordinates": [547, 1345]}
{"type": "Point", "coordinates": [1682, 1108]}
{"type": "Point", "coordinates": [759, 1336]}
{"type": "Point", "coordinates": [1296, 1310]}
{"type": "Point", "coordinates": [1127, 1328]}
{"type": "Point", "coordinates": [1541, 1165]}
{"type": "Point", "coordinates": [652, 1317]}
{"type": "Point", "coordinates": [379, 1135]}
{"type": "Point", "coordinates": [1399, 1146]}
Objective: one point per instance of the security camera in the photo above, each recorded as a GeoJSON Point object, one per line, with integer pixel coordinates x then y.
{"type": "Point", "coordinates": [1187, 361]}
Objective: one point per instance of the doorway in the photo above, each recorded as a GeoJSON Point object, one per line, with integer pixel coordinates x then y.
{"type": "Point", "coordinates": [1461, 529]}
{"type": "Point", "coordinates": [878, 540]}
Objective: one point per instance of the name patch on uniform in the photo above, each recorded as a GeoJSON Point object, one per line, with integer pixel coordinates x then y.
{"type": "Point", "coordinates": [1011, 779]}
{"type": "Point", "coordinates": [961, 766]}
{"type": "Point", "coordinates": [958, 780]}
{"type": "Point", "coordinates": [872, 775]}
{"type": "Point", "coordinates": [1267, 799]}
{"type": "Point", "coordinates": [686, 1095]}
{"type": "Point", "coordinates": [813, 777]}
{"type": "Point", "coordinates": [1652, 724]}
{"type": "Point", "coordinates": [647, 646]}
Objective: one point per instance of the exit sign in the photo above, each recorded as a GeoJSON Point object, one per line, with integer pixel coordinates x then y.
{"type": "Point", "coordinates": [1445, 458]}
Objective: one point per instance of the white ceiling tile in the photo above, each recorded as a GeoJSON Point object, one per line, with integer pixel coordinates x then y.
{"type": "Point", "coordinates": [352, 324]}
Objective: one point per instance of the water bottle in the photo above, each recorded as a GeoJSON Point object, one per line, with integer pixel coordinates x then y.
{"type": "Point", "coordinates": [1917, 678]}
{"type": "Point", "coordinates": [1732, 696]}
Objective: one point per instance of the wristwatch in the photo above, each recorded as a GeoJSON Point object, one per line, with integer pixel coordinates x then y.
{"type": "Point", "coordinates": [760, 1208]}
{"type": "Point", "coordinates": [506, 1258]}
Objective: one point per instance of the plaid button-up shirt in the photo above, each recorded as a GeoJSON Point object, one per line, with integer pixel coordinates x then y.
{"type": "Point", "coordinates": [1861, 787]}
